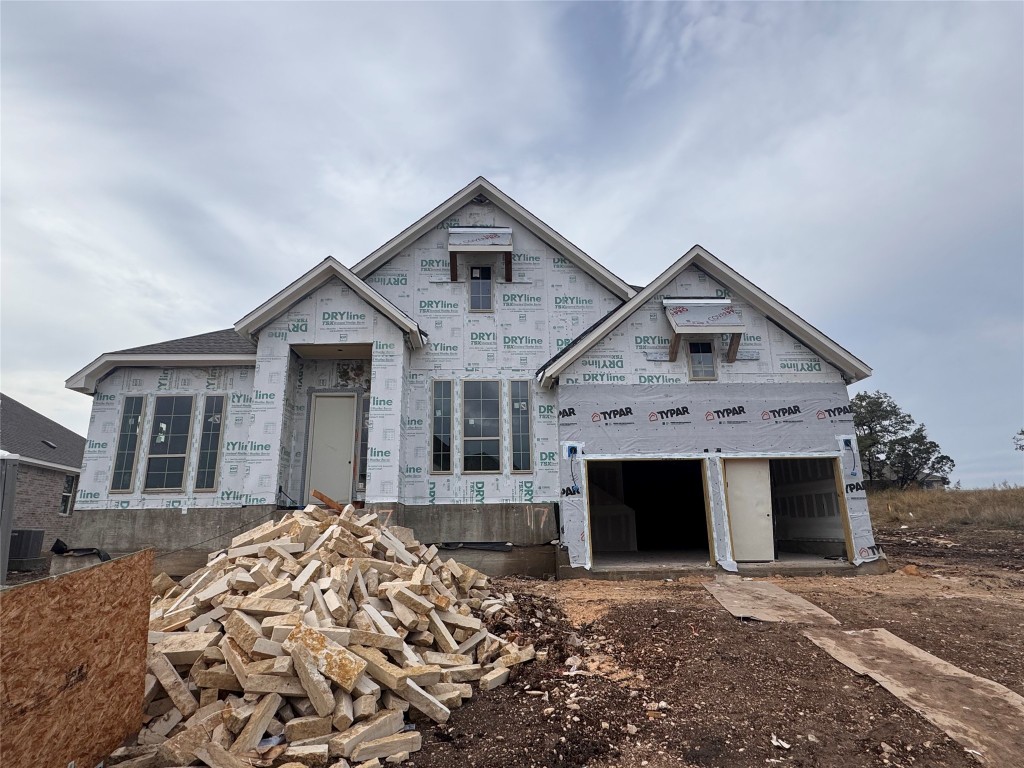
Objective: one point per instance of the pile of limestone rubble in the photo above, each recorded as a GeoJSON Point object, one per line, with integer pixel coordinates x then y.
{"type": "Point", "coordinates": [310, 642]}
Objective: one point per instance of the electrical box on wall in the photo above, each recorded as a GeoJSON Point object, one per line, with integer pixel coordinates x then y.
{"type": "Point", "coordinates": [572, 451]}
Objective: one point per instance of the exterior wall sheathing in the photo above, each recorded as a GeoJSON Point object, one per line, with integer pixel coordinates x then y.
{"type": "Point", "coordinates": [624, 399]}
{"type": "Point", "coordinates": [548, 304]}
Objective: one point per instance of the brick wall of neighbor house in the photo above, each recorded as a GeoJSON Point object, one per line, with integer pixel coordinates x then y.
{"type": "Point", "coordinates": [37, 503]}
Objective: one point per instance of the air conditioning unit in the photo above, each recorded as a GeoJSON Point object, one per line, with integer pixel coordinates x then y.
{"type": "Point", "coordinates": [26, 543]}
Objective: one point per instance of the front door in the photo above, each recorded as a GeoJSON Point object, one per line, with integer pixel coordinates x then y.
{"type": "Point", "coordinates": [748, 497]}
{"type": "Point", "coordinates": [331, 445]}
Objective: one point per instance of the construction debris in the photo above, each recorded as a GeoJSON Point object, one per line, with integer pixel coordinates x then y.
{"type": "Point", "coordinates": [308, 641]}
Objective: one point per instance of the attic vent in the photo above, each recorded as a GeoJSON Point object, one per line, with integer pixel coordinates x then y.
{"type": "Point", "coordinates": [481, 200]}
{"type": "Point", "coordinates": [48, 443]}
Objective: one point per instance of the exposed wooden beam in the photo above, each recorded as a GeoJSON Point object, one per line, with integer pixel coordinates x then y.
{"type": "Point", "coordinates": [453, 265]}
{"type": "Point", "coordinates": [673, 348]}
{"type": "Point", "coordinates": [734, 347]}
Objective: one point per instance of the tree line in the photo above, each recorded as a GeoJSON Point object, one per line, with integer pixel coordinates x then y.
{"type": "Point", "coordinates": [895, 451]}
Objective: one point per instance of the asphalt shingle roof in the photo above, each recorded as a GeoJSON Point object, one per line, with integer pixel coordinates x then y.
{"type": "Point", "coordinates": [23, 431]}
{"type": "Point", "coordinates": [226, 342]}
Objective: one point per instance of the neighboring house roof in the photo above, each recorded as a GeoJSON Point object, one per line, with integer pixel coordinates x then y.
{"type": "Point", "coordinates": [37, 439]}
{"type": "Point", "coordinates": [224, 347]}
{"type": "Point", "coordinates": [482, 186]}
{"type": "Point", "coordinates": [852, 368]}
{"type": "Point", "coordinates": [322, 273]}
{"type": "Point", "coordinates": [227, 341]}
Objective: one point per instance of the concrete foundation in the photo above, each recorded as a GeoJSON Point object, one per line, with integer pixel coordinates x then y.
{"type": "Point", "coordinates": [518, 524]}
{"type": "Point", "coordinates": [672, 565]}
{"type": "Point", "coordinates": [61, 564]}
{"type": "Point", "coordinates": [183, 539]}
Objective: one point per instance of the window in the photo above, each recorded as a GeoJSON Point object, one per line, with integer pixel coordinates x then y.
{"type": "Point", "coordinates": [127, 445]}
{"type": "Point", "coordinates": [209, 443]}
{"type": "Point", "coordinates": [519, 416]}
{"type": "Point", "coordinates": [480, 298]}
{"type": "Point", "coordinates": [702, 360]}
{"type": "Point", "coordinates": [481, 426]}
{"type": "Point", "coordinates": [364, 443]}
{"type": "Point", "coordinates": [67, 494]}
{"type": "Point", "coordinates": [441, 427]}
{"type": "Point", "coordinates": [168, 443]}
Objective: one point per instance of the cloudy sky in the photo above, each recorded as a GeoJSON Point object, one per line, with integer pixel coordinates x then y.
{"type": "Point", "coordinates": [168, 167]}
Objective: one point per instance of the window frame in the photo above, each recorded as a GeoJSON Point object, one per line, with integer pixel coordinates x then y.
{"type": "Point", "coordinates": [185, 456]}
{"type": "Point", "coordinates": [499, 436]}
{"type": "Point", "coordinates": [451, 425]}
{"type": "Point", "coordinates": [67, 496]}
{"type": "Point", "coordinates": [218, 454]}
{"type": "Point", "coordinates": [714, 358]}
{"type": "Point", "coordinates": [490, 285]}
{"type": "Point", "coordinates": [139, 430]}
{"type": "Point", "coordinates": [363, 441]}
{"type": "Point", "coordinates": [512, 427]}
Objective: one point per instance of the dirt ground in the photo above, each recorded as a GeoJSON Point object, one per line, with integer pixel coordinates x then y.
{"type": "Point", "coordinates": [658, 674]}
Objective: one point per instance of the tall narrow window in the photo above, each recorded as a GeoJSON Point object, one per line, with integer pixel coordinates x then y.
{"type": "Point", "coordinates": [480, 294]}
{"type": "Point", "coordinates": [364, 442]}
{"type": "Point", "coordinates": [702, 360]}
{"type": "Point", "coordinates": [209, 443]}
{"type": "Point", "coordinates": [519, 416]}
{"type": "Point", "coordinates": [168, 443]}
{"type": "Point", "coordinates": [441, 427]}
{"type": "Point", "coordinates": [481, 426]}
{"type": "Point", "coordinates": [127, 445]}
{"type": "Point", "coordinates": [67, 494]}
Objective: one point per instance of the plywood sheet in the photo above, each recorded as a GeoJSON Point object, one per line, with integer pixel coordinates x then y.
{"type": "Point", "coordinates": [765, 601]}
{"type": "Point", "coordinates": [73, 663]}
{"type": "Point", "coordinates": [985, 717]}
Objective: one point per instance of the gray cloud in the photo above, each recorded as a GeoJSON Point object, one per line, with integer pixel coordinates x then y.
{"type": "Point", "coordinates": [169, 166]}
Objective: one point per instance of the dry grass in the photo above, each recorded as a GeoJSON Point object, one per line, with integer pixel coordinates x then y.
{"type": "Point", "coordinates": [996, 508]}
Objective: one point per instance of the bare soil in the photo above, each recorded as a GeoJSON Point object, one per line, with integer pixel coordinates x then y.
{"type": "Point", "coordinates": [664, 676]}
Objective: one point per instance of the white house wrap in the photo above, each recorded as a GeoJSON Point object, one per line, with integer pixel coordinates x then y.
{"type": "Point", "coordinates": [489, 383]}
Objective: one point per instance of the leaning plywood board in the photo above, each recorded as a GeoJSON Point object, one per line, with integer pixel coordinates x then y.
{"type": "Point", "coordinates": [985, 717]}
{"type": "Point", "coordinates": [74, 643]}
{"type": "Point", "coordinates": [765, 601]}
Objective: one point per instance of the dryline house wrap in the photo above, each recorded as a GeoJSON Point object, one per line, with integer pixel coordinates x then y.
{"type": "Point", "coordinates": [447, 375]}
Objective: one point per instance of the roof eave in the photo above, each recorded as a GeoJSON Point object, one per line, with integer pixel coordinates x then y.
{"type": "Point", "coordinates": [851, 367]}
{"type": "Point", "coordinates": [283, 300]}
{"type": "Point", "coordinates": [548, 374]}
{"type": "Point", "coordinates": [65, 468]}
{"type": "Point", "coordinates": [85, 380]}
{"type": "Point", "coordinates": [298, 289]}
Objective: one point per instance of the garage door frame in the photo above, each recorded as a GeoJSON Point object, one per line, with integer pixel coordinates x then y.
{"type": "Point", "coordinates": [701, 457]}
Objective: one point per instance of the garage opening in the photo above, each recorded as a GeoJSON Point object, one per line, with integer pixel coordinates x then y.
{"type": "Point", "coordinates": [807, 514]}
{"type": "Point", "coordinates": [647, 506]}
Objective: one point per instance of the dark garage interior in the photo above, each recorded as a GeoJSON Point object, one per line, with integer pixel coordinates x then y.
{"type": "Point", "coordinates": [647, 506]}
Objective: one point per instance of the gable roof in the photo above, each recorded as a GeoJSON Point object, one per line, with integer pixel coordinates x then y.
{"type": "Point", "coordinates": [852, 368]}
{"type": "Point", "coordinates": [30, 435]}
{"type": "Point", "coordinates": [481, 186]}
{"type": "Point", "coordinates": [322, 273]}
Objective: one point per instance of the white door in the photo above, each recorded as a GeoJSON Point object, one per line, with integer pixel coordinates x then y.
{"type": "Point", "coordinates": [748, 497]}
{"type": "Point", "coordinates": [330, 449]}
